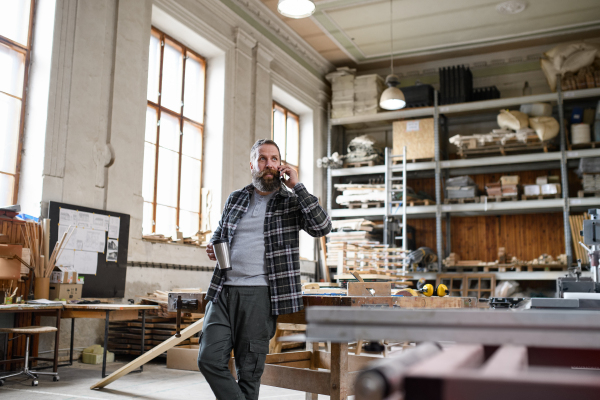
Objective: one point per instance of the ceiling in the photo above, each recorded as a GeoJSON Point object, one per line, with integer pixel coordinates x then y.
{"type": "Point", "coordinates": [357, 32]}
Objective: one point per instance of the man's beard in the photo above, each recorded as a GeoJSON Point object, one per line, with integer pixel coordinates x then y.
{"type": "Point", "coordinates": [266, 185]}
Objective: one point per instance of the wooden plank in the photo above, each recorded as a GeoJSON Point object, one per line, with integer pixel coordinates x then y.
{"type": "Point", "coordinates": [355, 363]}
{"type": "Point", "coordinates": [369, 289]}
{"type": "Point", "coordinates": [288, 357]}
{"type": "Point", "coordinates": [432, 302]}
{"type": "Point", "coordinates": [158, 350]}
{"type": "Point", "coordinates": [296, 379]}
{"type": "Point", "coordinates": [340, 385]}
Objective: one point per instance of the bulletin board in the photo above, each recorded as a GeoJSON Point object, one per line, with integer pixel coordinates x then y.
{"type": "Point", "coordinates": [110, 264]}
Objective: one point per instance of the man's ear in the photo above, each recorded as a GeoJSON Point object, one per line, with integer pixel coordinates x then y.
{"type": "Point", "coordinates": [251, 166]}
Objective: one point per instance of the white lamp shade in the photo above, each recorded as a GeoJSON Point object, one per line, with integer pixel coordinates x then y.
{"type": "Point", "coordinates": [392, 98]}
{"type": "Point", "coordinates": [296, 8]}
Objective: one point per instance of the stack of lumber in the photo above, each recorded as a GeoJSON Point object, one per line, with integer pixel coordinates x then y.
{"type": "Point", "coordinates": [125, 336]}
{"type": "Point", "coordinates": [157, 237]}
{"type": "Point", "coordinates": [366, 257]}
{"type": "Point", "coordinates": [576, 222]}
{"type": "Point", "coordinates": [161, 298]}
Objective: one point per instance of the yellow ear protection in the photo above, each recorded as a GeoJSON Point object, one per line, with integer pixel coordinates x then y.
{"type": "Point", "coordinates": [440, 290]}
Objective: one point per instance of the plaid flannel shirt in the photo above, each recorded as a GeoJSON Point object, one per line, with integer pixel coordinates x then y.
{"type": "Point", "coordinates": [286, 214]}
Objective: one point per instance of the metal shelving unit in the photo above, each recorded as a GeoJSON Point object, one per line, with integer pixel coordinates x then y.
{"type": "Point", "coordinates": [487, 164]}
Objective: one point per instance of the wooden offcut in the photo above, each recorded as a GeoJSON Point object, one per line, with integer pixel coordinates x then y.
{"type": "Point", "coordinates": [417, 136]}
{"type": "Point", "coordinates": [152, 354]}
{"type": "Point", "coordinates": [369, 289]}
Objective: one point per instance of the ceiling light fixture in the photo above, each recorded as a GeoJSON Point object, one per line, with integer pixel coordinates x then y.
{"type": "Point", "coordinates": [511, 7]}
{"type": "Point", "coordinates": [296, 8]}
{"type": "Point", "coordinates": [392, 98]}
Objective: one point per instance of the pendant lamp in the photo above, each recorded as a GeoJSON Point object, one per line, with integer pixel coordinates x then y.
{"type": "Point", "coordinates": [392, 98]}
{"type": "Point", "coordinates": [296, 8]}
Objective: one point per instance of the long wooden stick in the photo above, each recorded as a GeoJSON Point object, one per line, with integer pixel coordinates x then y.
{"type": "Point", "coordinates": [151, 354]}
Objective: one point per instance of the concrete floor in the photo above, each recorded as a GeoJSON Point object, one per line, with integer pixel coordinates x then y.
{"type": "Point", "coordinates": [156, 382]}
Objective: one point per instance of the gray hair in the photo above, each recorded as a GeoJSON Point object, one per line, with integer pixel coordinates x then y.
{"type": "Point", "coordinates": [260, 142]}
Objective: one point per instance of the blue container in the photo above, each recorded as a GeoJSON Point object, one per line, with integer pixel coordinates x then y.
{"type": "Point", "coordinates": [577, 115]}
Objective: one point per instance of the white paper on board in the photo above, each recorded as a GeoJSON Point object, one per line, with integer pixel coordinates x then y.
{"type": "Point", "coordinates": [86, 262]}
{"type": "Point", "coordinates": [113, 227]}
{"type": "Point", "coordinates": [84, 219]}
{"type": "Point", "coordinates": [93, 240]}
{"type": "Point", "coordinates": [100, 222]}
{"type": "Point", "coordinates": [66, 259]}
{"type": "Point", "coordinates": [67, 217]}
{"type": "Point", "coordinates": [76, 240]}
{"type": "Point", "coordinates": [112, 250]}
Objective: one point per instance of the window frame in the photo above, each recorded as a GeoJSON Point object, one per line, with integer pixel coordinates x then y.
{"type": "Point", "coordinates": [26, 50]}
{"type": "Point", "coordinates": [159, 108]}
{"type": "Point", "coordinates": [286, 112]}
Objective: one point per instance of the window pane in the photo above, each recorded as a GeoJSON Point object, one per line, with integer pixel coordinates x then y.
{"type": "Point", "coordinates": [193, 103]}
{"type": "Point", "coordinates": [165, 220]}
{"type": "Point", "coordinates": [153, 68]}
{"type": "Point", "coordinates": [192, 141]}
{"type": "Point", "coordinates": [12, 71]}
{"type": "Point", "coordinates": [169, 132]}
{"type": "Point", "coordinates": [10, 116]}
{"type": "Point", "coordinates": [14, 20]}
{"type": "Point", "coordinates": [151, 125]}
{"type": "Point", "coordinates": [149, 170]}
{"type": "Point", "coordinates": [171, 78]}
{"type": "Point", "coordinates": [279, 130]}
{"type": "Point", "coordinates": [147, 220]}
{"type": "Point", "coordinates": [190, 184]}
{"type": "Point", "coordinates": [7, 186]}
{"type": "Point", "coordinates": [189, 223]}
{"type": "Point", "coordinates": [168, 176]}
{"type": "Point", "coordinates": [292, 151]}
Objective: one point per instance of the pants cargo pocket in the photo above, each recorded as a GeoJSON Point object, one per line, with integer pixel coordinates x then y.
{"type": "Point", "coordinates": [254, 364]}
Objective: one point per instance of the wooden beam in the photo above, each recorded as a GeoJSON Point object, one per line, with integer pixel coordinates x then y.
{"type": "Point", "coordinates": [296, 379]}
{"type": "Point", "coordinates": [116, 315]}
{"type": "Point", "coordinates": [152, 354]}
{"type": "Point", "coordinates": [340, 385]}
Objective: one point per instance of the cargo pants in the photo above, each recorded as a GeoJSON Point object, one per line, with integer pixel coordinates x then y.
{"type": "Point", "coordinates": [240, 320]}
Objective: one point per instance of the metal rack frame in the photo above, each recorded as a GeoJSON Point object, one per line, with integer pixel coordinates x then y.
{"type": "Point", "coordinates": [439, 211]}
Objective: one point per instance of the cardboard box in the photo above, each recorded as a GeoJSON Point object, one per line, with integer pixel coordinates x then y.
{"type": "Point", "coordinates": [551, 188]}
{"type": "Point", "coordinates": [64, 275]}
{"type": "Point", "coordinates": [417, 136]}
{"type": "Point", "coordinates": [532, 190]}
{"type": "Point", "coordinates": [509, 180]}
{"type": "Point", "coordinates": [68, 291]}
{"type": "Point", "coordinates": [10, 269]}
{"type": "Point", "coordinates": [183, 357]}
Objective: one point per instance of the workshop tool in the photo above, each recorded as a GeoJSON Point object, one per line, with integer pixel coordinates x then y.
{"type": "Point", "coordinates": [503, 302]}
{"type": "Point", "coordinates": [183, 302]}
{"type": "Point", "coordinates": [384, 378]}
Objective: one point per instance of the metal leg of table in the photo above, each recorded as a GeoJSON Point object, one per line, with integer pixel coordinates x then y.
{"type": "Point", "coordinates": [143, 336]}
{"type": "Point", "coordinates": [105, 343]}
{"type": "Point", "coordinates": [57, 340]}
{"type": "Point", "coordinates": [72, 341]}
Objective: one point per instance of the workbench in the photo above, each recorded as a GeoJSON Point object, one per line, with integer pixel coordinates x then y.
{"type": "Point", "coordinates": [300, 370]}
{"type": "Point", "coordinates": [108, 312]}
{"type": "Point", "coordinates": [39, 310]}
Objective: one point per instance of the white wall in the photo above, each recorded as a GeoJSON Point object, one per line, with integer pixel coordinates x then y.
{"type": "Point", "coordinates": [96, 100]}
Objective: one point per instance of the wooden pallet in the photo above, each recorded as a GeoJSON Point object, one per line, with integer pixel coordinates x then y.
{"type": "Point", "coordinates": [359, 164]}
{"type": "Point", "coordinates": [541, 197]}
{"type": "Point", "coordinates": [509, 147]}
{"type": "Point", "coordinates": [498, 199]}
{"type": "Point", "coordinates": [591, 145]}
{"type": "Point", "coordinates": [367, 204]}
{"type": "Point", "coordinates": [582, 193]}
{"type": "Point", "coordinates": [475, 199]}
{"type": "Point", "coordinates": [420, 202]}
{"type": "Point", "coordinates": [546, 267]}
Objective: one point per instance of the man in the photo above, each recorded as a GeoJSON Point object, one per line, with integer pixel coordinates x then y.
{"type": "Point", "coordinates": [265, 278]}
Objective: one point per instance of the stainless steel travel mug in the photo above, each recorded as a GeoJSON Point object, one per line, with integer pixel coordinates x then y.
{"type": "Point", "coordinates": [221, 248]}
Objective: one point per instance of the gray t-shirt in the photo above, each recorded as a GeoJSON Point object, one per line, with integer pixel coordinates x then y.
{"type": "Point", "coordinates": [248, 246]}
